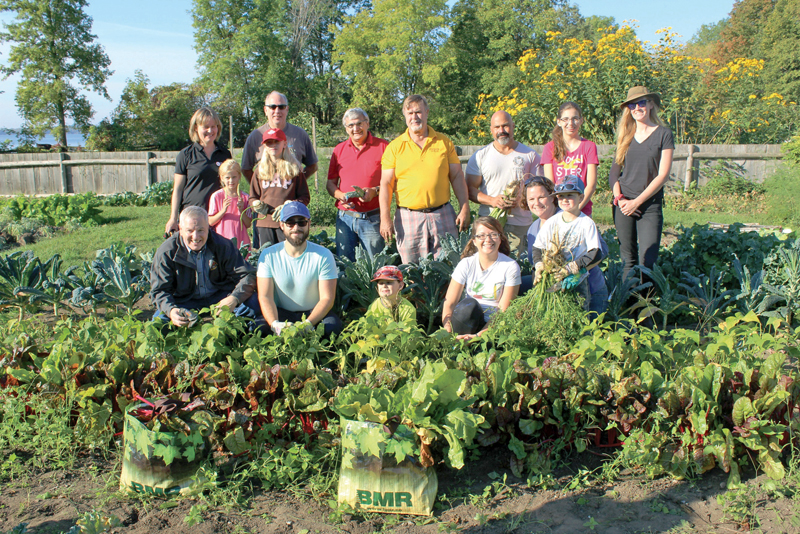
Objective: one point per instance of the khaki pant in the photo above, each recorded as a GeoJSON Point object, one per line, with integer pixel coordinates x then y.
{"type": "Point", "coordinates": [517, 239]}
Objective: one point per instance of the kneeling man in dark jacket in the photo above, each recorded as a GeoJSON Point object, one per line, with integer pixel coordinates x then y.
{"type": "Point", "coordinates": [195, 268]}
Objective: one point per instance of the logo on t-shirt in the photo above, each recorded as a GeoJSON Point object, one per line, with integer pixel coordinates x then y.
{"type": "Point", "coordinates": [276, 181]}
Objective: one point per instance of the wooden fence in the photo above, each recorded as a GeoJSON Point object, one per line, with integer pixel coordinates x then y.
{"type": "Point", "coordinates": [107, 173]}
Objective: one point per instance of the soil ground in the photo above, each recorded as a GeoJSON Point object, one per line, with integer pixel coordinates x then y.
{"type": "Point", "coordinates": [51, 501]}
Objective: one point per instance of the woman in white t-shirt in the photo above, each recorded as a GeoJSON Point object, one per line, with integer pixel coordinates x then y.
{"type": "Point", "coordinates": [491, 280]}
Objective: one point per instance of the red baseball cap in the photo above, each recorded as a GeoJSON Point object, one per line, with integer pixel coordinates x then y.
{"type": "Point", "coordinates": [273, 133]}
{"type": "Point", "coordinates": [388, 272]}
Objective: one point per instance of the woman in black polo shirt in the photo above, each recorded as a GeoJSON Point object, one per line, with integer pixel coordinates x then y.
{"type": "Point", "coordinates": [197, 165]}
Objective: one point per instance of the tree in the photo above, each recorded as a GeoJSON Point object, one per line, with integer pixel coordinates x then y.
{"type": "Point", "coordinates": [242, 55]}
{"type": "Point", "coordinates": [705, 41]}
{"type": "Point", "coordinates": [56, 54]}
{"type": "Point", "coordinates": [149, 118]}
{"type": "Point", "coordinates": [389, 52]}
{"type": "Point", "coordinates": [741, 36]}
{"type": "Point", "coordinates": [781, 38]}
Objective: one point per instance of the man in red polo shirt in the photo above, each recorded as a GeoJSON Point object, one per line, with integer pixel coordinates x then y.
{"type": "Point", "coordinates": [357, 163]}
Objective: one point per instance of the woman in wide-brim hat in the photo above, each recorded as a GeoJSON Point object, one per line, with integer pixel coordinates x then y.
{"type": "Point", "coordinates": [642, 162]}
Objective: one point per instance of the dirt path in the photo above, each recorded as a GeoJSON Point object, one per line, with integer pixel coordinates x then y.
{"type": "Point", "coordinates": [51, 501]}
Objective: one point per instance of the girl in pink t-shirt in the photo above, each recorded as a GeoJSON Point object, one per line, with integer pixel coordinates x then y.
{"type": "Point", "coordinates": [226, 205]}
{"type": "Point", "coordinates": [570, 154]}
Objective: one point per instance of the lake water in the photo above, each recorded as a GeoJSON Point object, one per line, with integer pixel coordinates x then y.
{"type": "Point", "coordinates": [74, 138]}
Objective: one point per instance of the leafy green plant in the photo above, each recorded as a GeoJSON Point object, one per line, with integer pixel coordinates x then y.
{"type": "Point", "coordinates": [705, 296]}
{"type": "Point", "coordinates": [119, 286]}
{"type": "Point", "coordinates": [57, 210]}
{"type": "Point", "coordinates": [427, 282]}
{"type": "Point", "coordinates": [355, 280]}
{"type": "Point", "coordinates": [20, 273]}
{"type": "Point", "coordinates": [700, 248]}
{"type": "Point", "coordinates": [782, 280]}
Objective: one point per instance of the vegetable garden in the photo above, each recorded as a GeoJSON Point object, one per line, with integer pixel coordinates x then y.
{"type": "Point", "coordinates": [714, 386]}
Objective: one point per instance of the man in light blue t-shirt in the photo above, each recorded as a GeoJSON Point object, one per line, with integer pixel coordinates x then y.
{"type": "Point", "coordinates": [297, 279]}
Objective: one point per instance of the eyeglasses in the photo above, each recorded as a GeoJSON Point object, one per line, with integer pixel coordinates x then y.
{"type": "Point", "coordinates": [273, 107]}
{"type": "Point", "coordinates": [300, 223]}
{"type": "Point", "coordinates": [640, 104]}
{"type": "Point", "coordinates": [354, 125]}
{"type": "Point", "coordinates": [491, 235]}
{"type": "Point", "coordinates": [573, 120]}
{"type": "Point", "coordinates": [536, 180]}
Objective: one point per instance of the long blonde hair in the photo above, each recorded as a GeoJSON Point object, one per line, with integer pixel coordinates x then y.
{"type": "Point", "coordinates": [286, 166]}
{"type": "Point", "coordinates": [626, 128]}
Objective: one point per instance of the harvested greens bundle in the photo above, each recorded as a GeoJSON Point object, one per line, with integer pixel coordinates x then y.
{"type": "Point", "coordinates": [544, 320]}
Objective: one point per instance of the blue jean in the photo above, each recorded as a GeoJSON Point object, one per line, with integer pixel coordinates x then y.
{"type": "Point", "coordinates": [353, 231]}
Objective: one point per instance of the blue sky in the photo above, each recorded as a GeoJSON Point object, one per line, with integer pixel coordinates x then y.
{"type": "Point", "coordinates": [157, 37]}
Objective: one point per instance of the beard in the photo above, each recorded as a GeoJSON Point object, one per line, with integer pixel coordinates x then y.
{"type": "Point", "coordinates": [297, 239]}
{"type": "Point", "coordinates": [503, 139]}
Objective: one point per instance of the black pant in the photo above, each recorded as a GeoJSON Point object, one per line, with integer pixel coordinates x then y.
{"type": "Point", "coordinates": [639, 236]}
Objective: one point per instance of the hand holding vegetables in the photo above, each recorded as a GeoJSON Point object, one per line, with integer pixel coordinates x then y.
{"type": "Point", "coordinates": [508, 198]}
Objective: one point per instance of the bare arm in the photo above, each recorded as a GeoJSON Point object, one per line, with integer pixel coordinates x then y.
{"type": "Point", "coordinates": [591, 184]}
{"type": "Point", "coordinates": [177, 194]}
{"type": "Point", "coordinates": [327, 293]}
{"type": "Point", "coordinates": [387, 190]}
{"type": "Point", "coordinates": [459, 185]}
{"type": "Point", "coordinates": [266, 299]}
{"type": "Point", "coordinates": [548, 171]}
{"type": "Point", "coordinates": [509, 294]}
{"type": "Point", "coordinates": [476, 195]}
{"type": "Point", "coordinates": [310, 170]}
{"type": "Point", "coordinates": [217, 217]}
{"type": "Point", "coordinates": [454, 291]}
{"type": "Point", "coordinates": [613, 179]}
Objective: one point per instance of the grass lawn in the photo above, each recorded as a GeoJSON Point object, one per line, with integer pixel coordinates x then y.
{"type": "Point", "coordinates": [143, 227]}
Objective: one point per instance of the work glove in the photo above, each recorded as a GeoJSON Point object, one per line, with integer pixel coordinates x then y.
{"type": "Point", "coordinates": [276, 215]}
{"type": "Point", "coordinates": [278, 326]}
{"type": "Point", "coordinates": [262, 208]}
{"type": "Point", "coordinates": [572, 281]}
{"type": "Point", "coordinates": [538, 271]}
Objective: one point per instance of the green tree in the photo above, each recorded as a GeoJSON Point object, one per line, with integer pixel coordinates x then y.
{"type": "Point", "coordinates": [781, 44]}
{"type": "Point", "coordinates": [145, 118]}
{"type": "Point", "coordinates": [487, 39]}
{"type": "Point", "coordinates": [389, 52]}
{"type": "Point", "coordinates": [705, 41]}
{"type": "Point", "coordinates": [242, 55]}
{"type": "Point", "coordinates": [55, 52]}
{"type": "Point", "coordinates": [741, 36]}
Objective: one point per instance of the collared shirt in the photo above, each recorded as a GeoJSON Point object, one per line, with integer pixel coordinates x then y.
{"type": "Point", "coordinates": [201, 259]}
{"type": "Point", "coordinates": [353, 167]}
{"type": "Point", "coordinates": [202, 173]}
{"type": "Point", "coordinates": [422, 175]}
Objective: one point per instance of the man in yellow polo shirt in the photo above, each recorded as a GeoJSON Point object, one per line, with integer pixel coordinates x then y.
{"type": "Point", "coordinates": [420, 166]}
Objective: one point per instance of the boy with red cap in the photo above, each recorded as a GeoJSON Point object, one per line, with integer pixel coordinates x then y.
{"type": "Point", "coordinates": [389, 303]}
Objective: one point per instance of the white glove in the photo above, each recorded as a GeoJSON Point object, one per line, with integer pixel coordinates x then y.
{"type": "Point", "coordinates": [278, 326]}
{"type": "Point", "coordinates": [308, 326]}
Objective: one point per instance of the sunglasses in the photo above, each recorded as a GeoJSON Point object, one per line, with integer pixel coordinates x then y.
{"type": "Point", "coordinates": [568, 187]}
{"type": "Point", "coordinates": [540, 180]}
{"type": "Point", "coordinates": [300, 223]}
{"type": "Point", "coordinates": [273, 107]}
{"type": "Point", "coordinates": [640, 104]}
